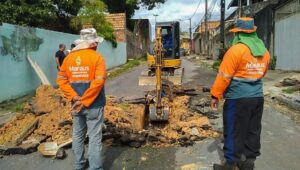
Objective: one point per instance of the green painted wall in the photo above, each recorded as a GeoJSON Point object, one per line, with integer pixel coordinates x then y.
{"type": "Point", "coordinates": [16, 75]}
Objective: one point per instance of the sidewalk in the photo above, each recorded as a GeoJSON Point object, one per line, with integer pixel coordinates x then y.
{"type": "Point", "coordinates": [201, 59]}
{"type": "Point", "coordinates": [288, 103]}
{"type": "Point", "coordinates": [274, 77]}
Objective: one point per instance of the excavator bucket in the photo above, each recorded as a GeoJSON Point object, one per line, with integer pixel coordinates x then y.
{"type": "Point", "coordinates": [158, 116]}
{"type": "Point", "coordinates": [148, 80]}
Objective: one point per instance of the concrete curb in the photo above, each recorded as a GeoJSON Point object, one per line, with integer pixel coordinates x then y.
{"type": "Point", "coordinates": [291, 101]}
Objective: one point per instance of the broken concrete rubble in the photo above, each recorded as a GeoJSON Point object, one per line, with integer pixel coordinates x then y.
{"type": "Point", "coordinates": [288, 82]}
{"type": "Point", "coordinates": [124, 122]}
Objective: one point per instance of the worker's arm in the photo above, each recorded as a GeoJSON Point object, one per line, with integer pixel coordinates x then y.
{"type": "Point", "coordinates": [64, 83]}
{"type": "Point", "coordinates": [57, 61]}
{"type": "Point", "coordinates": [96, 85]}
{"type": "Point", "coordinates": [227, 69]}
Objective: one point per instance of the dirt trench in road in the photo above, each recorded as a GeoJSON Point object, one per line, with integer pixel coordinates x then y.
{"type": "Point", "coordinates": [49, 112]}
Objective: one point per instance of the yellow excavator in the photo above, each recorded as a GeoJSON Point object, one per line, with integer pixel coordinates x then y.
{"type": "Point", "coordinates": [164, 70]}
{"type": "Point", "coordinates": [171, 69]}
{"type": "Point", "coordinates": [154, 107]}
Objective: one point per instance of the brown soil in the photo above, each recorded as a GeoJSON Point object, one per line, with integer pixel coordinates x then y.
{"type": "Point", "coordinates": [127, 116]}
{"type": "Point", "coordinates": [13, 128]}
{"type": "Point", "coordinates": [56, 107]}
{"type": "Point", "coordinates": [51, 108]}
{"type": "Point", "coordinates": [53, 112]}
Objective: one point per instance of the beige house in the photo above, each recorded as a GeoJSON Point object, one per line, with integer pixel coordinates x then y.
{"type": "Point", "coordinates": [185, 40]}
{"type": "Point", "coordinates": [199, 38]}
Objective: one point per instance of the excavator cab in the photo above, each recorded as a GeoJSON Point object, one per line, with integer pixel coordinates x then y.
{"type": "Point", "coordinates": [170, 39]}
{"type": "Point", "coordinates": [171, 62]}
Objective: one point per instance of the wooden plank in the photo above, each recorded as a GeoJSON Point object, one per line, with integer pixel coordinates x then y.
{"type": "Point", "coordinates": [25, 133]}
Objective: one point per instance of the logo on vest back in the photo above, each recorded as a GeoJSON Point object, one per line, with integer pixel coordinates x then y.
{"type": "Point", "coordinates": [255, 65]}
{"type": "Point", "coordinates": [78, 60]}
{"type": "Point", "coordinates": [255, 68]}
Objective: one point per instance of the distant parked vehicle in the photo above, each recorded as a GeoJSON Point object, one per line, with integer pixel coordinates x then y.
{"type": "Point", "coordinates": [187, 51]}
{"type": "Point", "coordinates": [182, 52]}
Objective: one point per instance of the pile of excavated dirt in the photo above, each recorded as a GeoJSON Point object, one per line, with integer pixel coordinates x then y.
{"type": "Point", "coordinates": [124, 122]}
{"type": "Point", "coordinates": [55, 110]}
{"type": "Point", "coordinates": [52, 111]}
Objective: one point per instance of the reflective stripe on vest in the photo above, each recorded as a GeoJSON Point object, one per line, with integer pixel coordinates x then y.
{"type": "Point", "coordinates": [224, 75]}
{"type": "Point", "coordinates": [246, 79]}
{"type": "Point", "coordinates": [80, 81]}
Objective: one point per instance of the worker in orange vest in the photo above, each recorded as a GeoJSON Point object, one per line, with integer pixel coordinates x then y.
{"type": "Point", "coordinates": [81, 78]}
{"type": "Point", "coordinates": [239, 81]}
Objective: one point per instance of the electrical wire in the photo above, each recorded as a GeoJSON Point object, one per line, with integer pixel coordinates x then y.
{"type": "Point", "coordinates": [193, 13]}
{"type": "Point", "coordinates": [196, 9]}
{"type": "Point", "coordinates": [212, 10]}
{"type": "Point", "coordinates": [209, 12]}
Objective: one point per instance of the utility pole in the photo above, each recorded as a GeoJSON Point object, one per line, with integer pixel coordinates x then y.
{"type": "Point", "coordinates": [206, 29]}
{"type": "Point", "coordinates": [222, 24]}
{"type": "Point", "coordinates": [190, 31]}
{"type": "Point", "coordinates": [190, 34]}
{"type": "Point", "coordinates": [155, 15]}
{"type": "Point", "coordinates": [240, 8]}
{"type": "Point", "coordinates": [249, 4]}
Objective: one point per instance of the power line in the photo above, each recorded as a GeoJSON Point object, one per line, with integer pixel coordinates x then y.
{"type": "Point", "coordinates": [196, 9]}
{"type": "Point", "coordinates": [210, 10]}
{"type": "Point", "coordinates": [184, 22]}
{"type": "Point", "coordinates": [213, 8]}
{"type": "Point", "coordinates": [193, 13]}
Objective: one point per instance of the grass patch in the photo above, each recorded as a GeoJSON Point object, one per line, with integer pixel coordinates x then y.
{"type": "Point", "coordinates": [15, 105]}
{"type": "Point", "coordinates": [290, 90]}
{"type": "Point", "coordinates": [124, 68]}
{"type": "Point", "coordinates": [273, 63]}
{"type": "Point", "coordinates": [18, 107]}
{"type": "Point", "coordinates": [216, 65]}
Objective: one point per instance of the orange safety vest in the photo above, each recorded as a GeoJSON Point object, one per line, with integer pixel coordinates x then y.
{"type": "Point", "coordinates": [83, 73]}
{"type": "Point", "coordinates": [240, 65]}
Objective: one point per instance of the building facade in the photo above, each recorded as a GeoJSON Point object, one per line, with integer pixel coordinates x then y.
{"type": "Point", "coordinates": [287, 35]}
{"type": "Point", "coordinates": [201, 47]}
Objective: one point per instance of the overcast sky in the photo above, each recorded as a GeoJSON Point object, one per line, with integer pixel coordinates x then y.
{"type": "Point", "coordinates": [173, 10]}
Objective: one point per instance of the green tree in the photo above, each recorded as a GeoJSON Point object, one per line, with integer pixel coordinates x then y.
{"type": "Point", "coordinates": [129, 6]}
{"type": "Point", "coordinates": [51, 14]}
{"type": "Point", "coordinates": [92, 13]}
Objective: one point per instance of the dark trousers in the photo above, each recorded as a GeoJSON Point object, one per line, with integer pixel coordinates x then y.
{"type": "Point", "coordinates": [242, 128]}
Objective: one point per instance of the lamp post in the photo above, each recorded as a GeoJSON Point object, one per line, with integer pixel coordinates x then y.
{"type": "Point", "coordinates": [155, 15]}
{"type": "Point", "coordinates": [190, 29]}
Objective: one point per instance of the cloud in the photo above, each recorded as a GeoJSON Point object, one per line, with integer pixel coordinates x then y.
{"type": "Point", "coordinates": [176, 10]}
{"type": "Point", "coordinates": [171, 10]}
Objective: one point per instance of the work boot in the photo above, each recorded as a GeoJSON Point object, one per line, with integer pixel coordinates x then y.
{"type": "Point", "coordinates": [248, 164]}
{"type": "Point", "coordinates": [225, 166]}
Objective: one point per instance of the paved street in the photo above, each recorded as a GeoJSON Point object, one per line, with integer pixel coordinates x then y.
{"type": "Point", "coordinates": [280, 138]}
